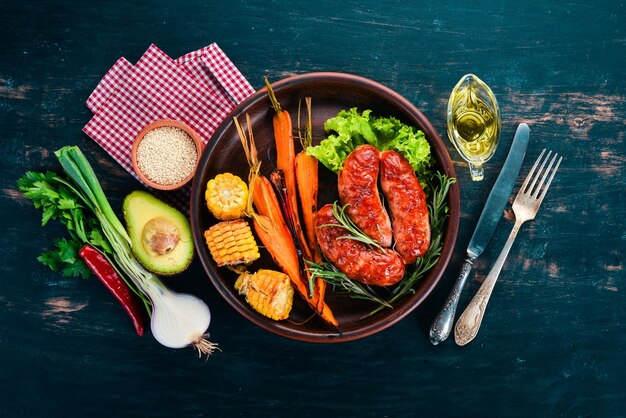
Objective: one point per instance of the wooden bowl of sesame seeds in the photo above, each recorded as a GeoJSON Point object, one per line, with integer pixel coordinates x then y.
{"type": "Point", "coordinates": [166, 153]}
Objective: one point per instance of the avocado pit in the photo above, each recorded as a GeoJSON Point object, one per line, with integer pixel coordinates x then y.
{"type": "Point", "coordinates": [159, 236]}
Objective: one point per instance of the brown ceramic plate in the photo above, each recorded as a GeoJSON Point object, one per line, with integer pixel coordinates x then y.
{"type": "Point", "coordinates": [331, 93]}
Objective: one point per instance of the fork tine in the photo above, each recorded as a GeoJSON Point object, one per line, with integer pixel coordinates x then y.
{"type": "Point", "coordinates": [545, 175]}
{"type": "Point", "coordinates": [545, 190]}
{"type": "Point", "coordinates": [531, 189]}
{"type": "Point", "coordinates": [530, 174]}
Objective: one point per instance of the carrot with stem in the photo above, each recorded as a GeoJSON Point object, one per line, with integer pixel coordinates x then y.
{"type": "Point", "coordinates": [286, 161]}
{"type": "Point", "coordinates": [306, 168]}
{"type": "Point", "coordinates": [307, 181]}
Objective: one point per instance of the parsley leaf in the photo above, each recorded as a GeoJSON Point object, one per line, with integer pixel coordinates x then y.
{"type": "Point", "coordinates": [65, 258]}
{"type": "Point", "coordinates": [78, 268]}
{"type": "Point", "coordinates": [58, 200]}
{"type": "Point", "coordinates": [51, 259]}
{"type": "Point", "coordinates": [68, 250]}
{"type": "Point", "coordinates": [97, 240]}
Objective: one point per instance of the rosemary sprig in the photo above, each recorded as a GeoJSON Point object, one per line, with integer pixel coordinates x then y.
{"type": "Point", "coordinates": [439, 185]}
{"type": "Point", "coordinates": [342, 283]}
{"type": "Point", "coordinates": [354, 232]}
{"type": "Point", "coordinates": [438, 212]}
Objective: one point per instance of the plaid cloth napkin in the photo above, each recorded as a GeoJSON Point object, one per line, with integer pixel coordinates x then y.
{"type": "Point", "coordinates": [200, 88]}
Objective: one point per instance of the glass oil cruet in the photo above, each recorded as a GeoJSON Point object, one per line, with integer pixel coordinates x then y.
{"type": "Point", "coordinates": [474, 122]}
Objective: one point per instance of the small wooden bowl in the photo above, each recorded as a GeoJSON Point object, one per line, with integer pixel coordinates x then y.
{"type": "Point", "coordinates": [160, 124]}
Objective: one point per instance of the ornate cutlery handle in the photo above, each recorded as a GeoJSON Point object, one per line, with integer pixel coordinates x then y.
{"type": "Point", "coordinates": [442, 325]}
{"type": "Point", "coordinates": [469, 322]}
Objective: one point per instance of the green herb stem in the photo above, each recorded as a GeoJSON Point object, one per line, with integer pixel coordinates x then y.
{"type": "Point", "coordinates": [342, 283]}
{"type": "Point", "coordinates": [354, 232]}
{"type": "Point", "coordinates": [438, 209]}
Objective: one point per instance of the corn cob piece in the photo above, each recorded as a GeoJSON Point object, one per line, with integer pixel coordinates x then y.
{"type": "Point", "coordinates": [231, 243]}
{"type": "Point", "coordinates": [226, 196]}
{"type": "Point", "coordinates": [269, 292]}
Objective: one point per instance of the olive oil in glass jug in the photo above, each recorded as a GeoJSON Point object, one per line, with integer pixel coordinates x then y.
{"type": "Point", "coordinates": [474, 122]}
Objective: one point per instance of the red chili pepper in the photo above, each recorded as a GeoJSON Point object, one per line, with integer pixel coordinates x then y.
{"type": "Point", "coordinates": [103, 269]}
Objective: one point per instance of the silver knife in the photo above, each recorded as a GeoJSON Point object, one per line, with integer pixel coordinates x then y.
{"type": "Point", "coordinates": [491, 214]}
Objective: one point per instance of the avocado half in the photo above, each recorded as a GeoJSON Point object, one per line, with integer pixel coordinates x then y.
{"type": "Point", "coordinates": [160, 235]}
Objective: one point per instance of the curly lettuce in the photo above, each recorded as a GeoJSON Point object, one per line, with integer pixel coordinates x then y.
{"type": "Point", "coordinates": [349, 129]}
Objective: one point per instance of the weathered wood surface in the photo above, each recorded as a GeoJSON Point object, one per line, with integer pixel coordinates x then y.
{"type": "Point", "coordinates": [552, 343]}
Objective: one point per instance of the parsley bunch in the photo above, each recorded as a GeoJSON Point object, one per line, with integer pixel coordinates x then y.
{"type": "Point", "coordinates": [58, 200]}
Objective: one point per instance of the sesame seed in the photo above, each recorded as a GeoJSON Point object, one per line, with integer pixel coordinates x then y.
{"type": "Point", "coordinates": [166, 155]}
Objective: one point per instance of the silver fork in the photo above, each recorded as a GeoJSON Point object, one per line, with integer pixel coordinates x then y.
{"type": "Point", "coordinates": [525, 207]}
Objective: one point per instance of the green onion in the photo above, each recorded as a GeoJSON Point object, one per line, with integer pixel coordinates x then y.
{"type": "Point", "coordinates": [80, 171]}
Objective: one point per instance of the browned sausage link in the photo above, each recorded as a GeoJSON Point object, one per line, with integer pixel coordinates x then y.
{"type": "Point", "coordinates": [358, 187]}
{"type": "Point", "coordinates": [380, 267]}
{"type": "Point", "coordinates": [407, 204]}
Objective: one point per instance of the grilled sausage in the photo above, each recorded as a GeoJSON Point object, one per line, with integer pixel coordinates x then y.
{"type": "Point", "coordinates": [358, 187]}
{"type": "Point", "coordinates": [380, 267]}
{"type": "Point", "coordinates": [407, 204]}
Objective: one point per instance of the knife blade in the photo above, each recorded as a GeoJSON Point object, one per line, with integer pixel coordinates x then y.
{"type": "Point", "coordinates": [491, 214]}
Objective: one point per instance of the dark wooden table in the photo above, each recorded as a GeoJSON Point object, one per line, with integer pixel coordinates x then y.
{"type": "Point", "coordinates": [552, 343]}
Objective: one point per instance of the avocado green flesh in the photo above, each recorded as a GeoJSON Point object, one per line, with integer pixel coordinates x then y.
{"type": "Point", "coordinates": [140, 208]}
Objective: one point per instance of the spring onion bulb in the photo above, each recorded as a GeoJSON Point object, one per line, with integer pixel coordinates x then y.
{"type": "Point", "coordinates": [179, 320]}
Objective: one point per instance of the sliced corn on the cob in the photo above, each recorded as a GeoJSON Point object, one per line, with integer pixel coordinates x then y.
{"type": "Point", "coordinates": [226, 196]}
{"type": "Point", "coordinates": [231, 243]}
{"type": "Point", "coordinates": [269, 292]}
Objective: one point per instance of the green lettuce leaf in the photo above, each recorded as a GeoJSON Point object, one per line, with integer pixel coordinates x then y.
{"type": "Point", "coordinates": [349, 129]}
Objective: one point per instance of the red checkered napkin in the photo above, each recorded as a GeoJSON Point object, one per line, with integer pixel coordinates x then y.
{"type": "Point", "coordinates": [200, 88]}
{"type": "Point", "coordinates": [213, 66]}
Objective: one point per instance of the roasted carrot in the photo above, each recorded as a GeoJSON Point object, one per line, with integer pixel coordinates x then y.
{"type": "Point", "coordinates": [286, 161]}
{"type": "Point", "coordinates": [266, 202]}
{"type": "Point", "coordinates": [308, 184]}
{"type": "Point", "coordinates": [272, 230]}
{"type": "Point", "coordinates": [307, 181]}
{"type": "Point", "coordinates": [281, 247]}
